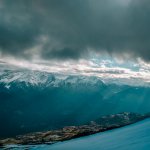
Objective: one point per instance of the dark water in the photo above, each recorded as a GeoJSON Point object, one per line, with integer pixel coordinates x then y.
{"type": "Point", "coordinates": [132, 137]}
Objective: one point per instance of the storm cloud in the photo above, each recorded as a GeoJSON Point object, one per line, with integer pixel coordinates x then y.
{"type": "Point", "coordinates": [70, 29]}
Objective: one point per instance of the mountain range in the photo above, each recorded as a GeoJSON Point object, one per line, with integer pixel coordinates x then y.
{"type": "Point", "coordinates": [35, 101]}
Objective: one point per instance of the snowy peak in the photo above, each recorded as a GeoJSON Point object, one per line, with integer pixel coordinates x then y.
{"type": "Point", "coordinates": [32, 77]}
{"type": "Point", "coordinates": [37, 78]}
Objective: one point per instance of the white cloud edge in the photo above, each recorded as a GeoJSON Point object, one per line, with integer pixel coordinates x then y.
{"type": "Point", "coordinates": [104, 69]}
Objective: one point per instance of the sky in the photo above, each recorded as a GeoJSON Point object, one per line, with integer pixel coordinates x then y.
{"type": "Point", "coordinates": [91, 37]}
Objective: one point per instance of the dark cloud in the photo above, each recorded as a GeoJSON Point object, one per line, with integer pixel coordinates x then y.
{"type": "Point", "coordinates": [69, 29]}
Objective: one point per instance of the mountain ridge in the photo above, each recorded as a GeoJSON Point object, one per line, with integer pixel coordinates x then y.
{"type": "Point", "coordinates": [100, 125]}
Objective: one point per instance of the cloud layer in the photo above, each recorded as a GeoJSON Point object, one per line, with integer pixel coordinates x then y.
{"type": "Point", "coordinates": [108, 70]}
{"type": "Point", "coordinates": [71, 29]}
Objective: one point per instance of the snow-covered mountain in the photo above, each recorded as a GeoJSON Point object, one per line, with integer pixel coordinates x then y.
{"type": "Point", "coordinates": [33, 100]}
{"type": "Point", "coordinates": [44, 79]}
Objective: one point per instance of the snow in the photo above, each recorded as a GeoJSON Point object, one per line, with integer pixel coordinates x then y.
{"type": "Point", "coordinates": [132, 137]}
{"type": "Point", "coordinates": [36, 77]}
{"type": "Point", "coordinates": [7, 86]}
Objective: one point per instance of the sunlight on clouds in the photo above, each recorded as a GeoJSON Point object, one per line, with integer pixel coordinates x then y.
{"type": "Point", "coordinates": [106, 69]}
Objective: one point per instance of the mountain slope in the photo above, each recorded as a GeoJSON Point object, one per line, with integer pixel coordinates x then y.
{"type": "Point", "coordinates": [99, 125]}
{"type": "Point", "coordinates": [133, 137]}
{"type": "Point", "coordinates": [42, 101]}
